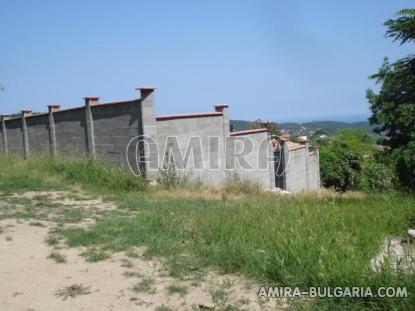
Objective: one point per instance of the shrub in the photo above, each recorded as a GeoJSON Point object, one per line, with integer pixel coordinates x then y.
{"type": "Point", "coordinates": [376, 176]}
{"type": "Point", "coordinates": [170, 177]}
{"type": "Point", "coordinates": [405, 165]}
{"type": "Point", "coordinates": [351, 161]}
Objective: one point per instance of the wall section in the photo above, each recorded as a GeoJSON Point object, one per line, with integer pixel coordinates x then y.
{"type": "Point", "coordinates": [200, 127]}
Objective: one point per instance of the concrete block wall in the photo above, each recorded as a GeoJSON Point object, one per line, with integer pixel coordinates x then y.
{"type": "Point", "coordinates": [38, 134]}
{"type": "Point", "coordinates": [313, 171]}
{"type": "Point", "coordinates": [104, 131]}
{"type": "Point", "coordinates": [184, 127]}
{"type": "Point", "coordinates": [296, 170]}
{"type": "Point", "coordinates": [115, 124]}
{"type": "Point", "coordinates": [215, 125]}
{"type": "Point", "coordinates": [71, 136]}
{"type": "Point", "coordinates": [14, 135]}
{"type": "Point", "coordinates": [302, 170]}
{"type": "Point", "coordinates": [68, 132]}
{"type": "Point", "coordinates": [262, 171]}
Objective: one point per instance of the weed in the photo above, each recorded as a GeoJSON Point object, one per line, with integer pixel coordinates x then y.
{"type": "Point", "coordinates": [163, 308]}
{"type": "Point", "coordinates": [144, 286]}
{"type": "Point", "coordinates": [293, 241]}
{"type": "Point", "coordinates": [132, 274]}
{"type": "Point", "coordinates": [132, 254]}
{"type": "Point", "coordinates": [94, 255]}
{"type": "Point", "coordinates": [238, 186]}
{"type": "Point", "coordinates": [219, 296]}
{"type": "Point", "coordinates": [125, 263]}
{"type": "Point", "coordinates": [36, 224]}
{"type": "Point", "coordinates": [73, 291]}
{"type": "Point", "coordinates": [57, 257]}
{"type": "Point", "coordinates": [177, 289]}
{"type": "Point", "coordinates": [52, 240]}
{"type": "Point", "coordinates": [170, 177]}
{"type": "Point", "coordinates": [244, 301]}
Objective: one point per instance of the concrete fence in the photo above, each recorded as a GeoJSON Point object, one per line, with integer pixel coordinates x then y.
{"type": "Point", "coordinates": [106, 130]}
{"type": "Point", "coordinates": [95, 129]}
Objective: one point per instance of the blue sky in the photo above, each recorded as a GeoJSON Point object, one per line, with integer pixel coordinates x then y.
{"type": "Point", "coordinates": [280, 60]}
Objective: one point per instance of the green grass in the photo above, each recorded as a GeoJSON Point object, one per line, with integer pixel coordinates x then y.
{"type": "Point", "coordinates": [177, 289]}
{"type": "Point", "coordinates": [94, 255]}
{"type": "Point", "coordinates": [57, 257]}
{"type": "Point", "coordinates": [163, 308]}
{"type": "Point", "coordinates": [291, 241]}
{"type": "Point", "coordinates": [219, 296]}
{"type": "Point", "coordinates": [144, 286]}
{"type": "Point", "coordinates": [52, 240]}
{"type": "Point", "coordinates": [125, 263]}
{"type": "Point", "coordinates": [44, 173]}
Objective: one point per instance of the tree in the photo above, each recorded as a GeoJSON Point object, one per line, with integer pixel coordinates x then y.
{"type": "Point", "coordinates": [271, 126]}
{"type": "Point", "coordinates": [393, 108]}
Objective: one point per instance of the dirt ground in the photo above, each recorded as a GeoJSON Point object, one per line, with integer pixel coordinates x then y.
{"type": "Point", "coordinates": [29, 280]}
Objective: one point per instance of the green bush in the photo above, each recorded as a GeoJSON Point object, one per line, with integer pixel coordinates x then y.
{"type": "Point", "coordinates": [405, 165]}
{"type": "Point", "coordinates": [351, 161]}
{"type": "Point", "coordinates": [376, 176]}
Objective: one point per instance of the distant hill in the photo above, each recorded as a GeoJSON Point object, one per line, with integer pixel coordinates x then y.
{"type": "Point", "coordinates": [307, 128]}
{"type": "Point", "coordinates": [240, 125]}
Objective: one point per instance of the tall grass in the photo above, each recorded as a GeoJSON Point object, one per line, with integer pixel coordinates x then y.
{"type": "Point", "coordinates": [292, 241]}
{"type": "Point", "coordinates": [44, 172]}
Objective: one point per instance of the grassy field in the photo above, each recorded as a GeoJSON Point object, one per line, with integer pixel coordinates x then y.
{"type": "Point", "coordinates": [305, 240]}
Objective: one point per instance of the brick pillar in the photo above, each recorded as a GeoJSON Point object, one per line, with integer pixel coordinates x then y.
{"type": "Point", "coordinates": [89, 101]}
{"type": "Point", "coordinates": [4, 133]}
{"type": "Point", "coordinates": [149, 132]}
{"type": "Point", "coordinates": [26, 151]}
{"type": "Point", "coordinates": [52, 132]}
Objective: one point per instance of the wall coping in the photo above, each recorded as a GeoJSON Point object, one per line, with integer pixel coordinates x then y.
{"type": "Point", "coordinates": [117, 102]}
{"type": "Point", "coordinates": [189, 115]}
{"type": "Point", "coordinates": [296, 148]}
{"type": "Point", "coordinates": [221, 106]}
{"type": "Point", "coordinates": [254, 131]}
{"type": "Point", "coordinates": [76, 108]}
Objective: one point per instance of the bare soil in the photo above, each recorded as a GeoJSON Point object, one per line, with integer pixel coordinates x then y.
{"type": "Point", "coordinates": [29, 280]}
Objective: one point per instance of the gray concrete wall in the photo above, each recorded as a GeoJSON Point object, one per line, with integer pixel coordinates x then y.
{"type": "Point", "coordinates": [184, 128]}
{"type": "Point", "coordinates": [312, 172]}
{"type": "Point", "coordinates": [114, 126]}
{"type": "Point", "coordinates": [38, 133]}
{"type": "Point", "coordinates": [15, 135]}
{"type": "Point", "coordinates": [296, 170]}
{"type": "Point", "coordinates": [71, 136]}
{"type": "Point", "coordinates": [261, 171]}
{"type": "Point", "coordinates": [303, 170]}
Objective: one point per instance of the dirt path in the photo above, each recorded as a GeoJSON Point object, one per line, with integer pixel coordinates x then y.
{"type": "Point", "coordinates": [29, 280]}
